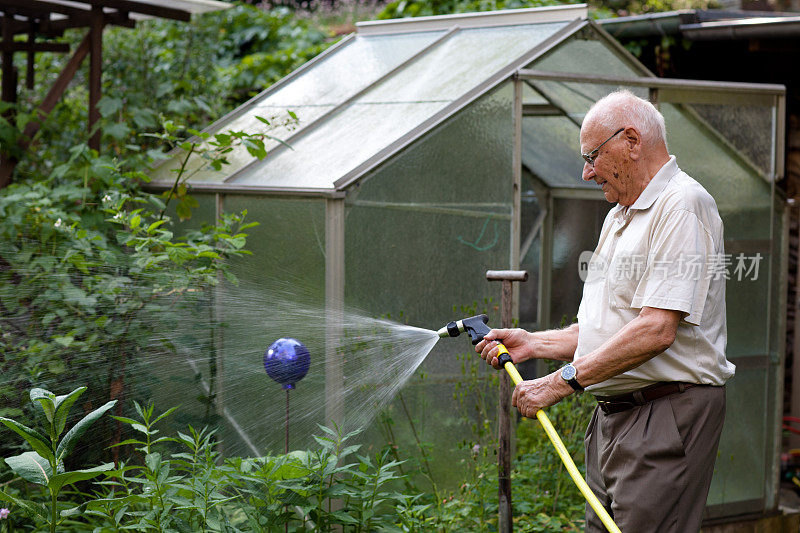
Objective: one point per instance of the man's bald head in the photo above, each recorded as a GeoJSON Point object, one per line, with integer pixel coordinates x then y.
{"type": "Point", "coordinates": [623, 108]}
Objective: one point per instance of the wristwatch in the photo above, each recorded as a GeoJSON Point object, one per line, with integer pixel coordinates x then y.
{"type": "Point", "coordinates": [569, 374]}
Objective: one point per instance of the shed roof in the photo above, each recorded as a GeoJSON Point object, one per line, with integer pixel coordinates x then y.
{"type": "Point", "coordinates": [373, 93]}
{"type": "Point", "coordinates": [702, 24]}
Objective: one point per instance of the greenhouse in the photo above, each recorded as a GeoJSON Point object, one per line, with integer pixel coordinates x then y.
{"type": "Point", "coordinates": [416, 154]}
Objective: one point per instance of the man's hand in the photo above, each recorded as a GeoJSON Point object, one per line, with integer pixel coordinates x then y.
{"type": "Point", "coordinates": [517, 341]}
{"type": "Point", "coordinates": [530, 396]}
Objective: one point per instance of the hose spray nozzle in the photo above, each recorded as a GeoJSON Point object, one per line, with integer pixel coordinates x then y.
{"type": "Point", "coordinates": [477, 328]}
{"type": "Point", "coordinates": [474, 325]}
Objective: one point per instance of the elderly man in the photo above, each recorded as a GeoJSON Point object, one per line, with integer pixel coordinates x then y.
{"type": "Point", "coordinates": [650, 339]}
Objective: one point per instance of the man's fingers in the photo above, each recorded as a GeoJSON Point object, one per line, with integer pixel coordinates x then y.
{"type": "Point", "coordinates": [489, 351]}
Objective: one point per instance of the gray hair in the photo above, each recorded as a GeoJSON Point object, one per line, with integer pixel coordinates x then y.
{"type": "Point", "coordinates": [614, 110]}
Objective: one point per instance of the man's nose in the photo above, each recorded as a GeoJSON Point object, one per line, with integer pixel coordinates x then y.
{"type": "Point", "coordinates": [588, 172]}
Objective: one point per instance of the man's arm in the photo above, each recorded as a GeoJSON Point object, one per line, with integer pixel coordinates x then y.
{"type": "Point", "coordinates": [641, 339]}
{"type": "Point", "coordinates": [644, 337]}
{"type": "Point", "coordinates": [555, 344]}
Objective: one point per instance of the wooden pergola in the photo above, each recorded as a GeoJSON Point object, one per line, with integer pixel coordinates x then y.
{"type": "Point", "coordinates": [43, 22]}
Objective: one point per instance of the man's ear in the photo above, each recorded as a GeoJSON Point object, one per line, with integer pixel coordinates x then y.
{"type": "Point", "coordinates": [633, 140]}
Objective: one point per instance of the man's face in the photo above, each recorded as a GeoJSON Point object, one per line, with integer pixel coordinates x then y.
{"type": "Point", "coordinates": [609, 168]}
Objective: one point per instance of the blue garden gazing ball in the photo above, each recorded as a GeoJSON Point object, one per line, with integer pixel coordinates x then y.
{"type": "Point", "coordinates": [287, 361]}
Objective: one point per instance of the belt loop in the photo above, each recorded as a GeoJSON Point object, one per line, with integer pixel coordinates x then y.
{"type": "Point", "coordinates": [638, 397]}
{"type": "Point", "coordinates": [681, 387]}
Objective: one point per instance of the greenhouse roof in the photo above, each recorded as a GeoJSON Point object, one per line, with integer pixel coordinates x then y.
{"type": "Point", "coordinates": [372, 94]}
{"type": "Point", "coordinates": [335, 120]}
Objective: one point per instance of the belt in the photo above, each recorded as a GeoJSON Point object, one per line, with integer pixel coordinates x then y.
{"type": "Point", "coordinates": [623, 402]}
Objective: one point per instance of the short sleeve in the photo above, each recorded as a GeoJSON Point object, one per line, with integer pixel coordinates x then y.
{"type": "Point", "coordinates": [679, 266]}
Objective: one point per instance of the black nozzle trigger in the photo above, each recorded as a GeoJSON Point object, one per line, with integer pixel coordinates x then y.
{"type": "Point", "coordinates": [476, 327]}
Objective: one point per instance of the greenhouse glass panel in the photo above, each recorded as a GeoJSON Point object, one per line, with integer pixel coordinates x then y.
{"type": "Point", "coordinates": [532, 213]}
{"type": "Point", "coordinates": [280, 293]}
{"type": "Point", "coordinates": [329, 82]}
{"type": "Point", "coordinates": [461, 62]}
{"type": "Point", "coordinates": [439, 182]}
{"type": "Point", "coordinates": [532, 96]}
{"type": "Point", "coordinates": [281, 126]}
{"type": "Point", "coordinates": [352, 68]}
{"type": "Point", "coordinates": [587, 53]}
{"type": "Point", "coordinates": [551, 149]}
{"type": "Point", "coordinates": [576, 229]}
{"type": "Point", "coordinates": [332, 149]}
{"type": "Point", "coordinates": [742, 126]}
{"type": "Point", "coordinates": [575, 99]}
{"type": "Point", "coordinates": [421, 173]}
{"type": "Point", "coordinates": [740, 472]}
{"type": "Point", "coordinates": [584, 53]}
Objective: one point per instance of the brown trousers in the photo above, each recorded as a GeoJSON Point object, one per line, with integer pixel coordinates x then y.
{"type": "Point", "coordinates": [651, 466]}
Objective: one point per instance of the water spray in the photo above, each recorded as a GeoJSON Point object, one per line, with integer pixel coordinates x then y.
{"type": "Point", "coordinates": [477, 327]}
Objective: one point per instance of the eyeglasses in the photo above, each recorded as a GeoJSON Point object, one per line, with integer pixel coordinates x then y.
{"type": "Point", "coordinates": [591, 156]}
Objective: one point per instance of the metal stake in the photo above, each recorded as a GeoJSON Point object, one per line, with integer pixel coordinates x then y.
{"type": "Point", "coordinates": [505, 522]}
{"type": "Point", "coordinates": [286, 424]}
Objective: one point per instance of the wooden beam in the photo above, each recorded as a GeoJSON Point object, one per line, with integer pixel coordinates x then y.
{"type": "Point", "coordinates": [55, 28]}
{"type": "Point", "coordinates": [8, 92]}
{"type": "Point", "coordinates": [27, 46]}
{"type": "Point", "coordinates": [41, 8]}
{"type": "Point", "coordinates": [9, 86]}
{"type": "Point", "coordinates": [58, 88]}
{"type": "Point", "coordinates": [143, 8]}
{"type": "Point", "coordinates": [95, 75]}
{"type": "Point", "coordinates": [29, 74]}
{"type": "Point", "coordinates": [49, 102]}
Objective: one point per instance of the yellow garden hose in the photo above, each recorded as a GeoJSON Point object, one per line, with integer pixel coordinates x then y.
{"type": "Point", "coordinates": [477, 328]}
{"type": "Point", "coordinates": [562, 452]}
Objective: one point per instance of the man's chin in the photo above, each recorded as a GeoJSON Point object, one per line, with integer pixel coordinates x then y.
{"type": "Point", "coordinates": [610, 197]}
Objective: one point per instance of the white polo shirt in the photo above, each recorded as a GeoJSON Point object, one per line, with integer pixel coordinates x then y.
{"type": "Point", "coordinates": [665, 251]}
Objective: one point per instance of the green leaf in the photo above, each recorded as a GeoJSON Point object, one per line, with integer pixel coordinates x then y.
{"type": "Point", "coordinates": [63, 405]}
{"type": "Point", "coordinates": [152, 227]}
{"type": "Point", "coordinates": [108, 105]}
{"type": "Point", "coordinates": [153, 461]}
{"type": "Point", "coordinates": [31, 508]}
{"type": "Point", "coordinates": [237, 242]}
{"type": "Point", "coordinates": [184, 211]}
{"type": "Point", "coordinates": [178, 255]}
{"type": "Point", "coordinates": [59, 480]}
{"type": "Point", "coordinates": [66, 445]}
{"type": "Point", "coordinates": [164, 415]}
{"type": "Point", "coordinates": [32, 467]}
{"type": "Point", "coordinates": [38, 442]}
{"type": "Point", "coordinates": [344, 518]}
{"type": "Point", "coordinates": [46, 399]}
{"type": "Point", "coordinates": [136, 220]}
{"type": "Point", "coordinates": [118, 131]}
{"type": "Point", "coordinates": [64, 340]}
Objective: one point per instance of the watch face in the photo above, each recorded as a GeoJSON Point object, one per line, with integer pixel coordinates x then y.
{"type": "Point", "coordinates": [568, 372]}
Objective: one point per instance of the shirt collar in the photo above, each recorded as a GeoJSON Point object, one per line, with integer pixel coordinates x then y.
{"type": "Point", "coordinates": [656, 185]}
